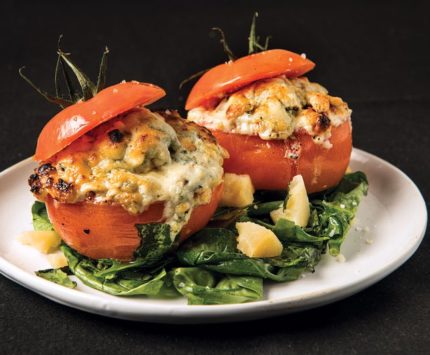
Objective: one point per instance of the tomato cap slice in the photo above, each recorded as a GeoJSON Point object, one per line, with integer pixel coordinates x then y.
{"type": "Point", "coordinates": [231, 76]}
{"type": "Point", "coordinates": [76, 120]}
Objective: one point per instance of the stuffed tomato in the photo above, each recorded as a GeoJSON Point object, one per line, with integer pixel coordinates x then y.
{"type": "Point", "coordinates": [108, 163]}
{"type": "Point", "coordinates": [273, 121]}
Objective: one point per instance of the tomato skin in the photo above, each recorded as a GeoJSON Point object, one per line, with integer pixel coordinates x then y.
{"type": "Point", "coordinates": [76, 120]}
{"type": "Point", "coordinates": [231, 76]}
{"type": "Point", "coordinates": [270, 168]}
{"type": "Point", "coordinates": [108, 231]}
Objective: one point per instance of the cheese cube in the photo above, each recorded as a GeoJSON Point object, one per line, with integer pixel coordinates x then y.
{"type": "Point", "coordinates": [44, 241]}
{"type": "Point", "coordinates": [297, 209]}
{"type": "Point", "coordinates": [256, 241]}
{"type": "Point", "coordinates": [238, 191]}
{"type": "Point", "coordinates": [57, 259]}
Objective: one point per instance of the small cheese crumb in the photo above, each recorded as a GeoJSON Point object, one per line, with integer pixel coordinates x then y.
{"type": "Point", "coordinates": [57, 260]}
{"type": "Point", "coordinates": [340, 258]}
{"type": "Point", "coordinates": [369, 241]}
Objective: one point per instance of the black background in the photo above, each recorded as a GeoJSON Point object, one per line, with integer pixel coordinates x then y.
{"type": "Point", "coordinates": [375, 55]}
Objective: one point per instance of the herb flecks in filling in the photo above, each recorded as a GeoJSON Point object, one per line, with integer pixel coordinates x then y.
{"type": "Point", "coordinates": [276, 108]}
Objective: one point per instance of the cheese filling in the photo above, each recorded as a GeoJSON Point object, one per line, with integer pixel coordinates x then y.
{"type": "Point", "coordinates": [135, 161]}
{"type": "Point", "coordinates": [276, 108]}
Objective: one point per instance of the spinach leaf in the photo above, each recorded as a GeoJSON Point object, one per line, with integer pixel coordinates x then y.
{"type": "Point", "coordinates": [58, 276]}
{"type": "Point", "coordinates": [332, 217]}
{"type": "Point", "coordinates": [126, 283]}
{"type": "Point", "coordinates": [41, 221]}
{"type": "Point", "coordinates": [263, 208]}
{"type": "Point", "coordinates": [204, 287]}
{"type": "Point", "coordinates": [156, 243]}
{"type": "Point", "coordinates": [208, 268]}
{"type": "Point", "coordinates": [216, 249]}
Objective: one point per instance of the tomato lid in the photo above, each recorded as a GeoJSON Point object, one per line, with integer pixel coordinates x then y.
{"type": "Point", "coordinates": [233, 75]}
{"type": "Point", "coordinates": [76, 120]}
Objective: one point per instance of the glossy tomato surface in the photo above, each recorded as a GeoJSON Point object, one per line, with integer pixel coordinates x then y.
{"type": "Point", "coordinates": [76, 120]}
{"type": "Point", "coordinates": [231, 76]}
{"type": "Point", "coordinates": [271, 167]}
{"type": "Point", "coordinates": [108, 231]}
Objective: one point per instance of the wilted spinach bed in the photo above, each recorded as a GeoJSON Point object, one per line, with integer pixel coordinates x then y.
{"type": "Point", "coordinates": [208, 268]}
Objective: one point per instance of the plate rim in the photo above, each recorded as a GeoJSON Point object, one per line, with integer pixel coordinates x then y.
{"type": "Point", "coordinates": [176, 313]}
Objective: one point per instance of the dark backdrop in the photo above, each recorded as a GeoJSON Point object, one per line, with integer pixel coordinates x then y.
{"type": "Point", "coordinates": [375, 55]}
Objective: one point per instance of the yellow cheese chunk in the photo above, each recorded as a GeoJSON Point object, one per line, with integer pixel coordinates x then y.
{"type": "Point", "coordinates": [256, 241]}
{"type": "Point", "coordinates": [57, 259]}
{"type": "Point", "coordinates": [297, 209]}
{"type": "Point", "coordinates": [44, 241]}
{"type": "Point", "coordinates": [238, 191]}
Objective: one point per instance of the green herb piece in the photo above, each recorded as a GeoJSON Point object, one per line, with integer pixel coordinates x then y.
{"type": "Point", "coordinates": [254, 45]}
{"type": "Point", "coordinates": [41, 221]}
{"type": "Point", "coordinates": [63, 64]}
{"type": "Point", "coordinates": [53, 99]}
{"type": "Point", "coordinates": [191, 78]}
{"type": "Point", "coordinates": [101, 79]}
{"type": "Point", "coordinates": [58, 276]}
{"type": "Point", "coordinates": [224, 44]}
{"type": "Point", "coordinates": [204, 287]}
{"type": "Point", "coordinates": [87, 86]}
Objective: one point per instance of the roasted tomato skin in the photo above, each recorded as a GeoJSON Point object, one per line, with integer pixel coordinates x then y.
{"type": "Point", "coordinates": [272, 164]}
{"type": "Point", "coordinates": [76, 120]}
{"type": "Point", "coordinates": [108, 231]}
{"type": "Point", "coordinates": [231, 76]}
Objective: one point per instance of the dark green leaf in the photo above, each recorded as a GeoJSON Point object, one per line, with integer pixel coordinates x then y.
{"type": "Point", "coordinates": [58, 276]}
{"type": "Point", "coordinates": [332, 217]}
{"type": "Point", "coordinates": [263, 208]}
{"type": "Point", "coordinates": [129, 283]}
{"type": "Point", "coordinates": [40, 217]}
{"type": "Point", "coordinates": [203, 287]}
{"type": "Point", "coordinates": [156, 243]}
{"type": "Point", "coordinates": [216, 249]}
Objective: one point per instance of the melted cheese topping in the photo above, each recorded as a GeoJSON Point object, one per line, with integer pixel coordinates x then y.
{"type": "Point", "coordinates": [275, 109]}
{"type": "Point", "coordinates": [138, 160]}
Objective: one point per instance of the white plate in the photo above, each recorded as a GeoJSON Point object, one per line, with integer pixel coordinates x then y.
{"type": "Point", "coordinates": [390, 225]}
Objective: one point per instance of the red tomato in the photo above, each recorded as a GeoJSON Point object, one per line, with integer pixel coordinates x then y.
{"type": "Point", "coordinates": [108, 231]}
{"type": "Point", "coordinates": [231, 76]}
{"type": "Point", "coordinates": [76, 120]}
{"type": "Point", "coordinates": [269, 166]}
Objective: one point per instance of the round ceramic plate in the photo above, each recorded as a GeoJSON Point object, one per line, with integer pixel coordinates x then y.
{"type": "Point", "coordinates": [390, 225]}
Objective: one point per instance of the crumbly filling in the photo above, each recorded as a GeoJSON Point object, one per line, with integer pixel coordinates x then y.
{"type": "Point", "coordinates": [135, 161]}
{"type": "Point", "coordinates": [276, 108]}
